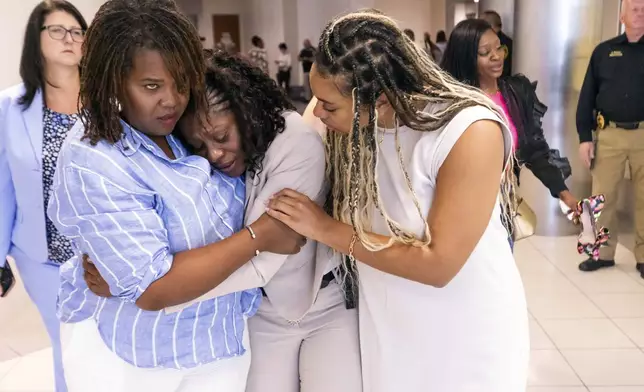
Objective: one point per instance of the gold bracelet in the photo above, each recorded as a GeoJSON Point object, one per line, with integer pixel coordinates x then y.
{"type": "Point", "coordinates": [253, 236]}
{"type": "Point", "coordinates": [352, 244]}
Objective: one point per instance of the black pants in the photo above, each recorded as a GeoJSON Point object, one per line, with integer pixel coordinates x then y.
{"type": "Point", "coordinates": [284, 80]}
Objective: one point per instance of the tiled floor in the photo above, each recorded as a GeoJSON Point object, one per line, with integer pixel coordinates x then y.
{"type": "Point", "coordinates": [587, 329]}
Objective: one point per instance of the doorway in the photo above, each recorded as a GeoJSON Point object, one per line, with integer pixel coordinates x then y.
{"type": "Point", "coordinates": [226, 33]}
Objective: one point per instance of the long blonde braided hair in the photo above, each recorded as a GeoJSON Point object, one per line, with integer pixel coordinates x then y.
{"type": "Point", "coordinates": [368, 54]}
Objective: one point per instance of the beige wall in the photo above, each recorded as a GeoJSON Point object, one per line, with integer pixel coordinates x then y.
{"type": "Point", "coordinates": [438, 16]}
{"type": "Point", "coordinates": [419, 15]}
{"type": "Point", "coordinates": [411, 14]}
{"type": "Point", "coordinates": [211, 7]}
{"type": "Point", "coordinates": [610, 19]}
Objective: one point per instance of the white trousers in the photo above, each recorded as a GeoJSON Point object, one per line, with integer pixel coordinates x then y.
{"type": "Point", "coordinates": [91, 366]}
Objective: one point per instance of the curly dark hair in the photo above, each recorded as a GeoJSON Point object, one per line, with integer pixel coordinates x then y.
{"type": "Point", "coordinates": [255, 100]}
{"type": "Point", "coordinates": [119, 30]}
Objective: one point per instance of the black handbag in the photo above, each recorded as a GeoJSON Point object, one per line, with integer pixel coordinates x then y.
{"type": "Point", "coordinates": [7, 280]}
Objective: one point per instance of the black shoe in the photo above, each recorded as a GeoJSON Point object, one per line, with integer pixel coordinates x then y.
{"type": "Point", "coordinates": [593, 265]}
{"type": "Point", "coordinates": [640, 268]}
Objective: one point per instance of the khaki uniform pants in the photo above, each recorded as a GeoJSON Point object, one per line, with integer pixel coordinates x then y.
{"type": "Point", "coordinates": [616, 148]}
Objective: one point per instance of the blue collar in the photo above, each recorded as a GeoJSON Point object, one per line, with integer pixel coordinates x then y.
{"type": "Point", "coordinates": [129, 143]}
{"type": "Point", "coordinates": [132, 140]}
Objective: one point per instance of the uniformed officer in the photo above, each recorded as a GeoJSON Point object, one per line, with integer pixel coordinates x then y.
{"type": "Point", "coordinates": [612, 103]}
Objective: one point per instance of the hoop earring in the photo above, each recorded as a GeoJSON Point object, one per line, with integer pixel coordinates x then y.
{"type": "Point", "coordinates": [116, 103]}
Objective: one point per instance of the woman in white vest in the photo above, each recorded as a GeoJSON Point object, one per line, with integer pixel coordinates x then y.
{"type": "Point", "coordinates": [415, 162]}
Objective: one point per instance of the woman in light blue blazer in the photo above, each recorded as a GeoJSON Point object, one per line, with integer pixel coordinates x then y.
{"type": "Point", "coordinates": [35, 117]}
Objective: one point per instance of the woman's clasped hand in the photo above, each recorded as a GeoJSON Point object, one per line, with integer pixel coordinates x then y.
{"type": "Point", "coordinates": [299, 213]}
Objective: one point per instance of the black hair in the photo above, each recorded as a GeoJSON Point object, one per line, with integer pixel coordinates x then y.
{"type": "Point", "coordinates": [495, 18]}
{"type": "Point", "coordinates": [410, 33]}
{"type": "Point", "coordinates": [283, 46]}
{"type": "Point", "coordinates": [31, 60]}
{"type": "Point", "coordinates": [256, 101]}
{"type": "Point", "coordinates": [461, 54]}
{"type": "Point", "coordinates": [119, 30]}
{"type": "Point", "coordinates": [441, 37]}
{"type": "Point", "coordinates": [256, 41]}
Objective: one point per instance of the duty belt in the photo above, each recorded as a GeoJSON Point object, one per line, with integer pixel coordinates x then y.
{"type": "Point", "coordinates": [626, 125]}
{"type": "Point", "coordinates": [603, 123]}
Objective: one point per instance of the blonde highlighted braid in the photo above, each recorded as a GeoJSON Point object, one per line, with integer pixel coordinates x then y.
{"type": "Point", "coordinates": [368, 55]}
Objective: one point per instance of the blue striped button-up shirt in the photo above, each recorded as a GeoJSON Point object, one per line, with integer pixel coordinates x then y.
{"type": "Point", "coordinates": [130, 208]}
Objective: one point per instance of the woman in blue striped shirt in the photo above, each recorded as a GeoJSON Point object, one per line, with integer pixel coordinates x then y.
{"type": "Point", "coordinates": [303, 320]}
{"type": "Point", "coordinates": [127, 194]}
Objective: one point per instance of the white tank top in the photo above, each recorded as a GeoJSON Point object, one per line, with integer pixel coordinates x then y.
{"type": "Point", "coordinates": [471, 335]}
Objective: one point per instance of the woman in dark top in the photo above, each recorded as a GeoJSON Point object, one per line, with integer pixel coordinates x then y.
{"type": "Point", "coordinates": [432, 49]}
{"type": "Point", "coordinates": [441, 40]}
{"type": "Point", "coordinates": [474, 55]}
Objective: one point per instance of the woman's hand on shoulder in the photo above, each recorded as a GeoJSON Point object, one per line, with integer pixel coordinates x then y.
{"type": "Point", "coordinates": [276, 237]}
{"type": "Point", "coordinates": [300, 213]}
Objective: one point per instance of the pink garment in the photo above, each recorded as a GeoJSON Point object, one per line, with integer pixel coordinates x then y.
{"type": "Point", "coordinates": [498, 99]}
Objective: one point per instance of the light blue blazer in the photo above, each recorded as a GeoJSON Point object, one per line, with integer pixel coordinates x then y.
{"type": "Point", "coordinates": [22, 210]}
